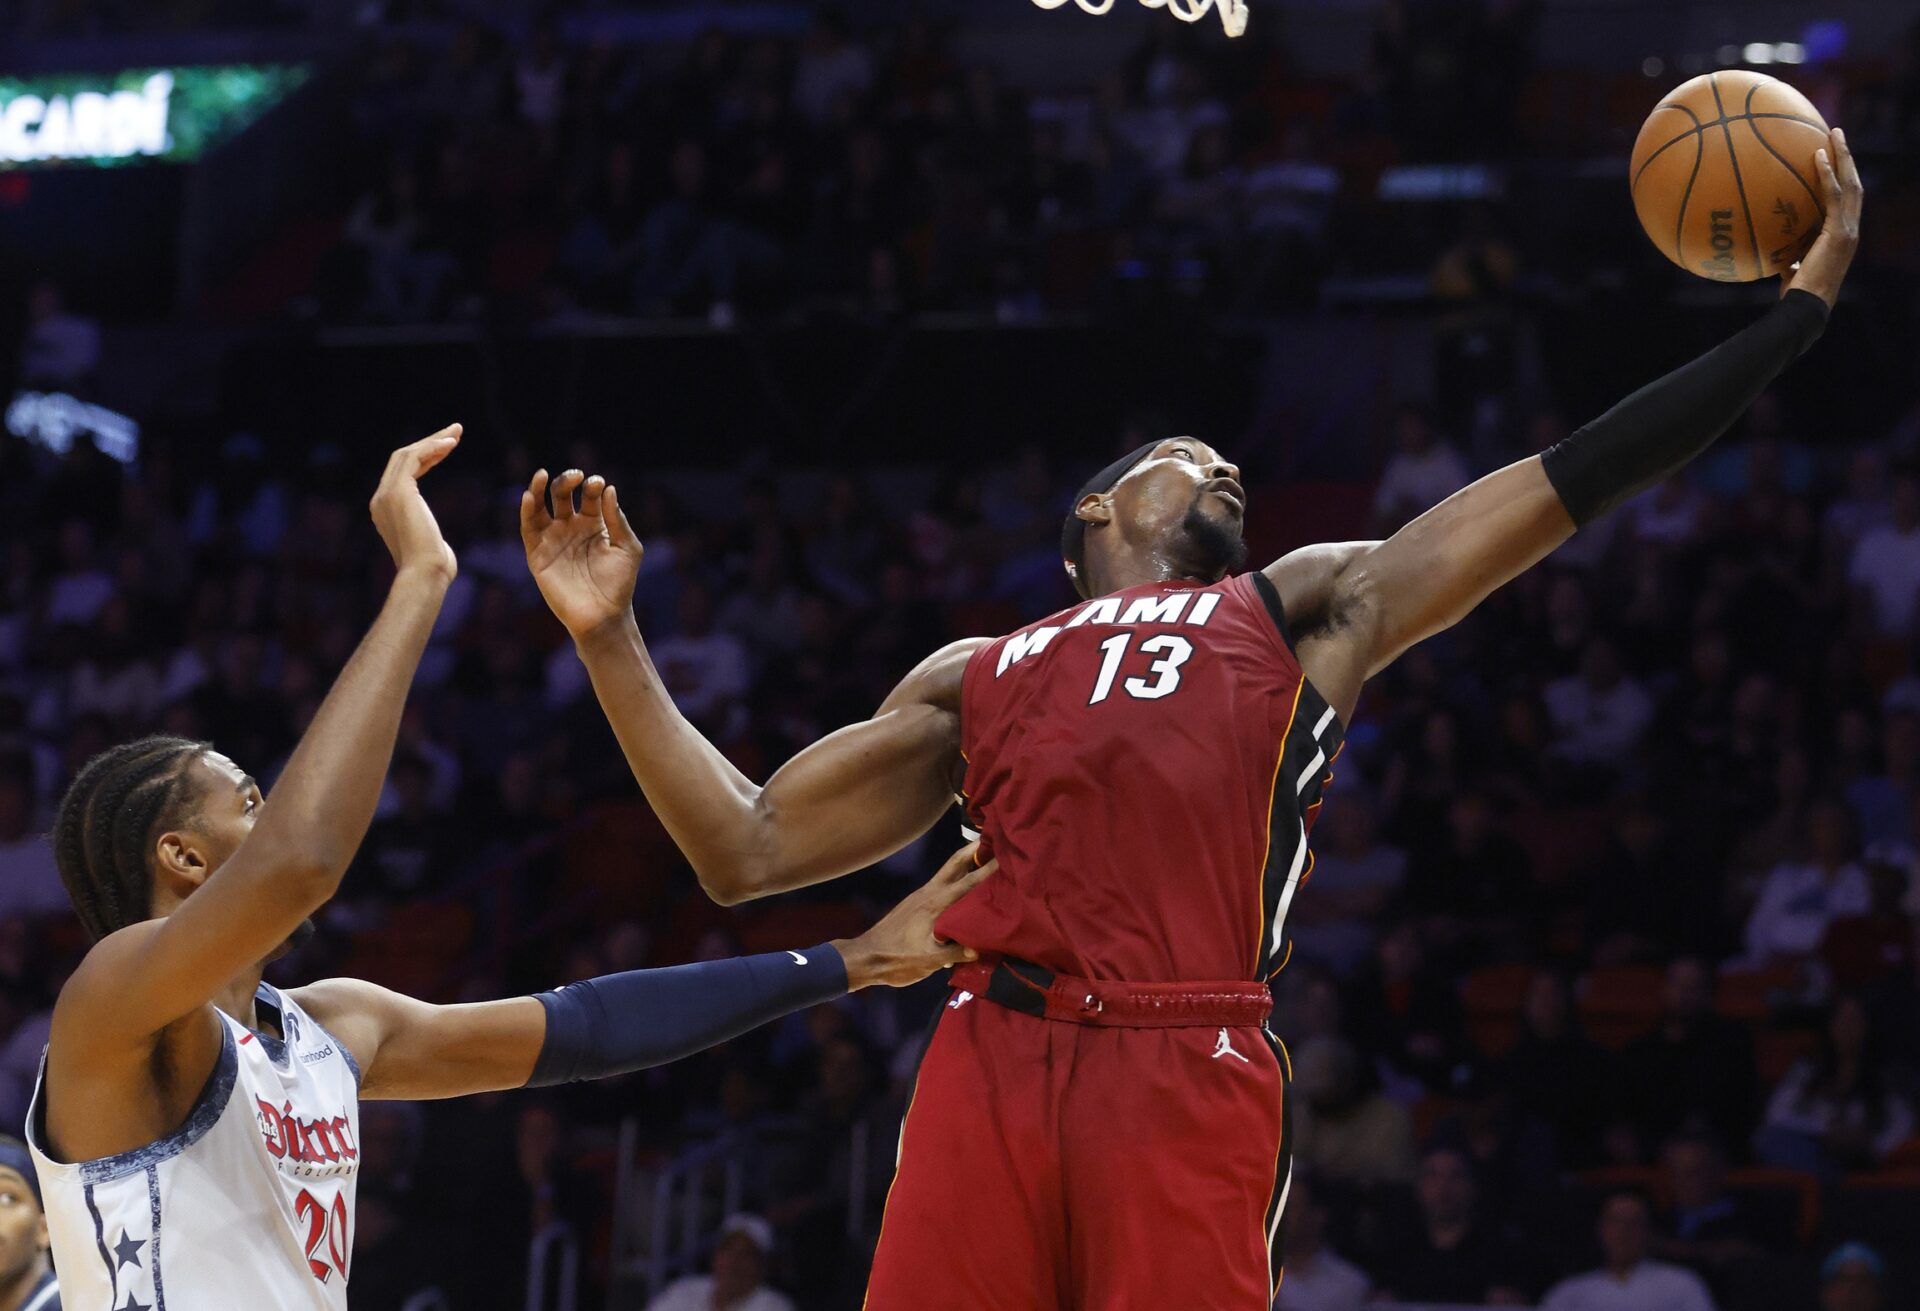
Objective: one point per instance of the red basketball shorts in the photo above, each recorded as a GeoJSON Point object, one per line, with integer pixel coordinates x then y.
{"type": "Point", "coordinates": [1076, 1146]}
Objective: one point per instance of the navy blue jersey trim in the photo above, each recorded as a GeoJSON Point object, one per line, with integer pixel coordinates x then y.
{"type": "Point", "coordinates": [153, 1201]}
{"type": "Point", "coordinates": [213, 1099]}
{"type": "Point", "coordinates": [277, 1049]}
{"type": "Point", "coordinates": [100, 1241]}
{"type": "Point", "coordinates": [46, 1295]}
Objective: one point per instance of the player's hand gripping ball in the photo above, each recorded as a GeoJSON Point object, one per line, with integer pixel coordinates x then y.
{"type": "Point", "coordinates": [1724, 178]}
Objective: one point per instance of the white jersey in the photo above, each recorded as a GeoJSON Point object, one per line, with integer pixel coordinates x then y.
{"type": "Point", "coordinates": [248, 1204]}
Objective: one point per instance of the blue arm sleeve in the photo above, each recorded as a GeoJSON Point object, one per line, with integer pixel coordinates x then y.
{"type": "Point", "coordinates": [624, 1022]}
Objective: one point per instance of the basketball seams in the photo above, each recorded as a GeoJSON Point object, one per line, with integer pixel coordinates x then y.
{"type": "Point", "coordinates": [1680, 218]}
{"type": "Point", "coordinates": [1648, 161]}
{"type": "Point", "coordinates": [1739, 186]}
{"type": "Point", "coordinates": [1819, 206]}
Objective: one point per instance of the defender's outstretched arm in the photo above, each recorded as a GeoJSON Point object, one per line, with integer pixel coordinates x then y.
{"type": "Point", "coordinates": [410, 1050]}
{"type": "Point", "coordinates": [846, 801]}
{"type": "Point", "coordinates": [139, 980]}
{"type": "Point", "coordinates": [1365, 603]}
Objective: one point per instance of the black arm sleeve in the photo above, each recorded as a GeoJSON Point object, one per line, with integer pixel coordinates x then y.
{"type": "Point", "coordinates": [1665, 424]}
{"type": "Point", "coordinates": [624, 1022]}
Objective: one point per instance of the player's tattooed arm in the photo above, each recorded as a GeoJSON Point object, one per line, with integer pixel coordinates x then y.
{"type": "Point", "coordinates": [846, 801]}
{"type": "Point", "coordinates": [289, 862]}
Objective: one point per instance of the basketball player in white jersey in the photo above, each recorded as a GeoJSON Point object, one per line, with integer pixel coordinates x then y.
{"type": "Point", "coordinates": [195, 1131]}
{"type": "Point", "coordinates": [26, 1272]}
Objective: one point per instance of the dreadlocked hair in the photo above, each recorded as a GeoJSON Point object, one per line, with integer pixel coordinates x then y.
{"type": "Point", "coordinates": [104, 831]}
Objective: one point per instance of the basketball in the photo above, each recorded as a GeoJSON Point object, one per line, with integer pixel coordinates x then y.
{"type": "Point", "coordinates": [1724, 178]}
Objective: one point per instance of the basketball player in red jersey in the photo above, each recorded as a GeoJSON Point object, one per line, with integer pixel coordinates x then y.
{"type": "Point", "coordinates": [1100, 1119]}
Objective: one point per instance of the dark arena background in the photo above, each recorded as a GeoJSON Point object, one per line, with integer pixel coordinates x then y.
{"type": "Point", "coordinates": [1617, 889]}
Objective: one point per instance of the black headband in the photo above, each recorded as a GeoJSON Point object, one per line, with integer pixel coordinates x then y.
{"type": "Point", "coordinates": [15, 1157]}
{"type": "Point", "coordinates": [1073, 533]}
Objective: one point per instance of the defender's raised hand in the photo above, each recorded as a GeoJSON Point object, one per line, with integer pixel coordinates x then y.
{"type": "Point", "coordinates": [1824, 267]}
{"type": "Point", "coordinates": [585, 560]}
{"type": "Point", "coordinates": [902, 948]}
{"type": "Point", "coordinates": [406, 525]}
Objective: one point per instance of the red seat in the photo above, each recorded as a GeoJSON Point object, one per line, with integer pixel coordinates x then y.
{"type": "Point", "coordinates": [1621, 1003]}
{"type": "Point", "coordinates": [1493, 998]}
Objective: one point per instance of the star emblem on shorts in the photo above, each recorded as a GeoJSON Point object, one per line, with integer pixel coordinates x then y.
{"type": "Point", "coordinates": [134, 1303]}
{"type": "Point", "coordinates": [127, 1251]}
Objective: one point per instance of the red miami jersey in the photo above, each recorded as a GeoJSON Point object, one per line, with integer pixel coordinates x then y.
{"type": "Point", "coordinates": [1146, 767]}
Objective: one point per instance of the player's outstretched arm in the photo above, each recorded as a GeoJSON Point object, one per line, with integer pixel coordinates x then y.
{"type": "Point", "coordinates": [1381, 598]}
{"type": "Point", "coordinates": [139, 980]}
{"type": "Point", "coordinates": [846, 801]}
{"type": "Point", "coordinates": [410, 1050]}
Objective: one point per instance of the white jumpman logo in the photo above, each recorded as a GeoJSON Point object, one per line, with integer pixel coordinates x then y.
{"type": "Point", "coordinates": [1224, 1047]}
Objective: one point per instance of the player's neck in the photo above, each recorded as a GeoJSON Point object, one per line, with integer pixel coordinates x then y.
{"type": "Point", "coordinates": [14, 1292]}
{"type": "Point", "coordinates": [236, 999]}
{"type": "Point", "coordinates": [1138, 568]}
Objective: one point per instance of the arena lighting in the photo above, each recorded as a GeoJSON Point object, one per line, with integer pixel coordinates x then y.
{"type": "Point", "coordinates": [1757, 52]}
{"type": "Point", "coordinates": [1790, 52]}
{"type": "Point", "coordinates": [1728, 54]}
{"type": "Point", "coordinates": [51, 421]}
{"type": "Point", "coordinates": [1653, 66]}
{"type": "Point", "coordinates": [150, 115]}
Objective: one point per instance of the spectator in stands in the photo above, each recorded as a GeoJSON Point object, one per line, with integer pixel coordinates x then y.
{"type": "Point", "coordinates": [1873, 953]}
{"type": "Point", "coordinates": [831, 67]}
{"type": "Point", "coordinates": [1885, 566]}
{"type": "Point", "coordinates": [1424, 470]}
{"type": "Point", "coordinates": [1696, 1067]}
{"type": "Point", "coordinates": [1706, 1227]}
{"type": "Point", "coordinates": [26, 1270]}
{"type": "Point", "coordinates": [1318, 1278]}
{"type": "Point", "coordinates": [1555, 1073]}
{"type": "Point", "coordinates": [62, 348]}
{"type": "Point", "coordinates": [1629, 1280]}
{"type": "Point", "coordinates": [1355, 878]}
{"type": "Point", "coordinates": [738, 1281]}
{"type": "Point", "coordinates": [1853, 1278]}
{"type": "Point", "coordinates": [29, 883]}
{"type": "Point", "coordinates": [705, 669]}
{"type": "Point", "coordinates": [1345, 1130]}
{"type": "Point", "coordinates": [1838, 1110]}
{"type": "Point", "coordinates": [1449, 1253]}
{"type": "Point", "coordinates": [1599, 713]}
{"type": "Point", "coordinates": [1882, 801]}
{"type": "Point", "coordinates": [1801, 898]}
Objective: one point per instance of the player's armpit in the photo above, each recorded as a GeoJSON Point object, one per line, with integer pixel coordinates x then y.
{"type": "Point", "coordinates": [411, 1050]}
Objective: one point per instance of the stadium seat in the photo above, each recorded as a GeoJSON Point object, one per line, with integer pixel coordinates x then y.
{"type": "Point", "coordinates": [1746, 994]}
{"type": "Point", "coordinates": [1621, 1003]}
{"type": "Point", "coordinates": [1492, 998]}
{"type": "Point", "coordinates": [1776, 1051]}
{"type": "Point", "coordinates": [1790, 1194]}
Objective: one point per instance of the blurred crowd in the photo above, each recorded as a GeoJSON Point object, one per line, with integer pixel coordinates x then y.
{"type": "Point", "coordinates": [1605, 983]}
{"type": "Point", "coordinates": [1618, 887]}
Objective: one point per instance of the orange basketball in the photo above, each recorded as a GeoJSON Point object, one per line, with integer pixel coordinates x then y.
{"type": "Point", "coordinates": [1724, 178]}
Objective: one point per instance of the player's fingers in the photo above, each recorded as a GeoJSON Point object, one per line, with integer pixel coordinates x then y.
{"type": "Point", "coordinates": [432, 450]}
{"type": "Point", "coordinates": [970, 879]}
{"type": "Point", "coordinates": [590, 493]}
{"type": "Point", "coordinates": [958, 864]}
{"type": "Point", "coordinates": [563, 489]}
{"type": "Point", "coordinates": [952, 953]}
{"type": "Point", "coordinates": [1829, 181]}
{"type": "Point", "coordinates": [1848, 170]}
{"type": "Point", "coordinates": [619, 531]}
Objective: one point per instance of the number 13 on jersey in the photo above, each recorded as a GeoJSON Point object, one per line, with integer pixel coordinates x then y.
{"type": "Point", "coordinates": [1172, 650]}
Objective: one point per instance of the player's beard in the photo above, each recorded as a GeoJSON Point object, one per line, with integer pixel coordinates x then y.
{"type": "Point", "coordinates": [302, 934]}
{"type": "Point", "coordinates": [1213, 546]}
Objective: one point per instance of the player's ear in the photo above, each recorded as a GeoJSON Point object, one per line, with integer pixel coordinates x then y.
{"type": "Point", "coordinates": [1095, 507]}
{"type": "Point", "coordinates": [181, 862]}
